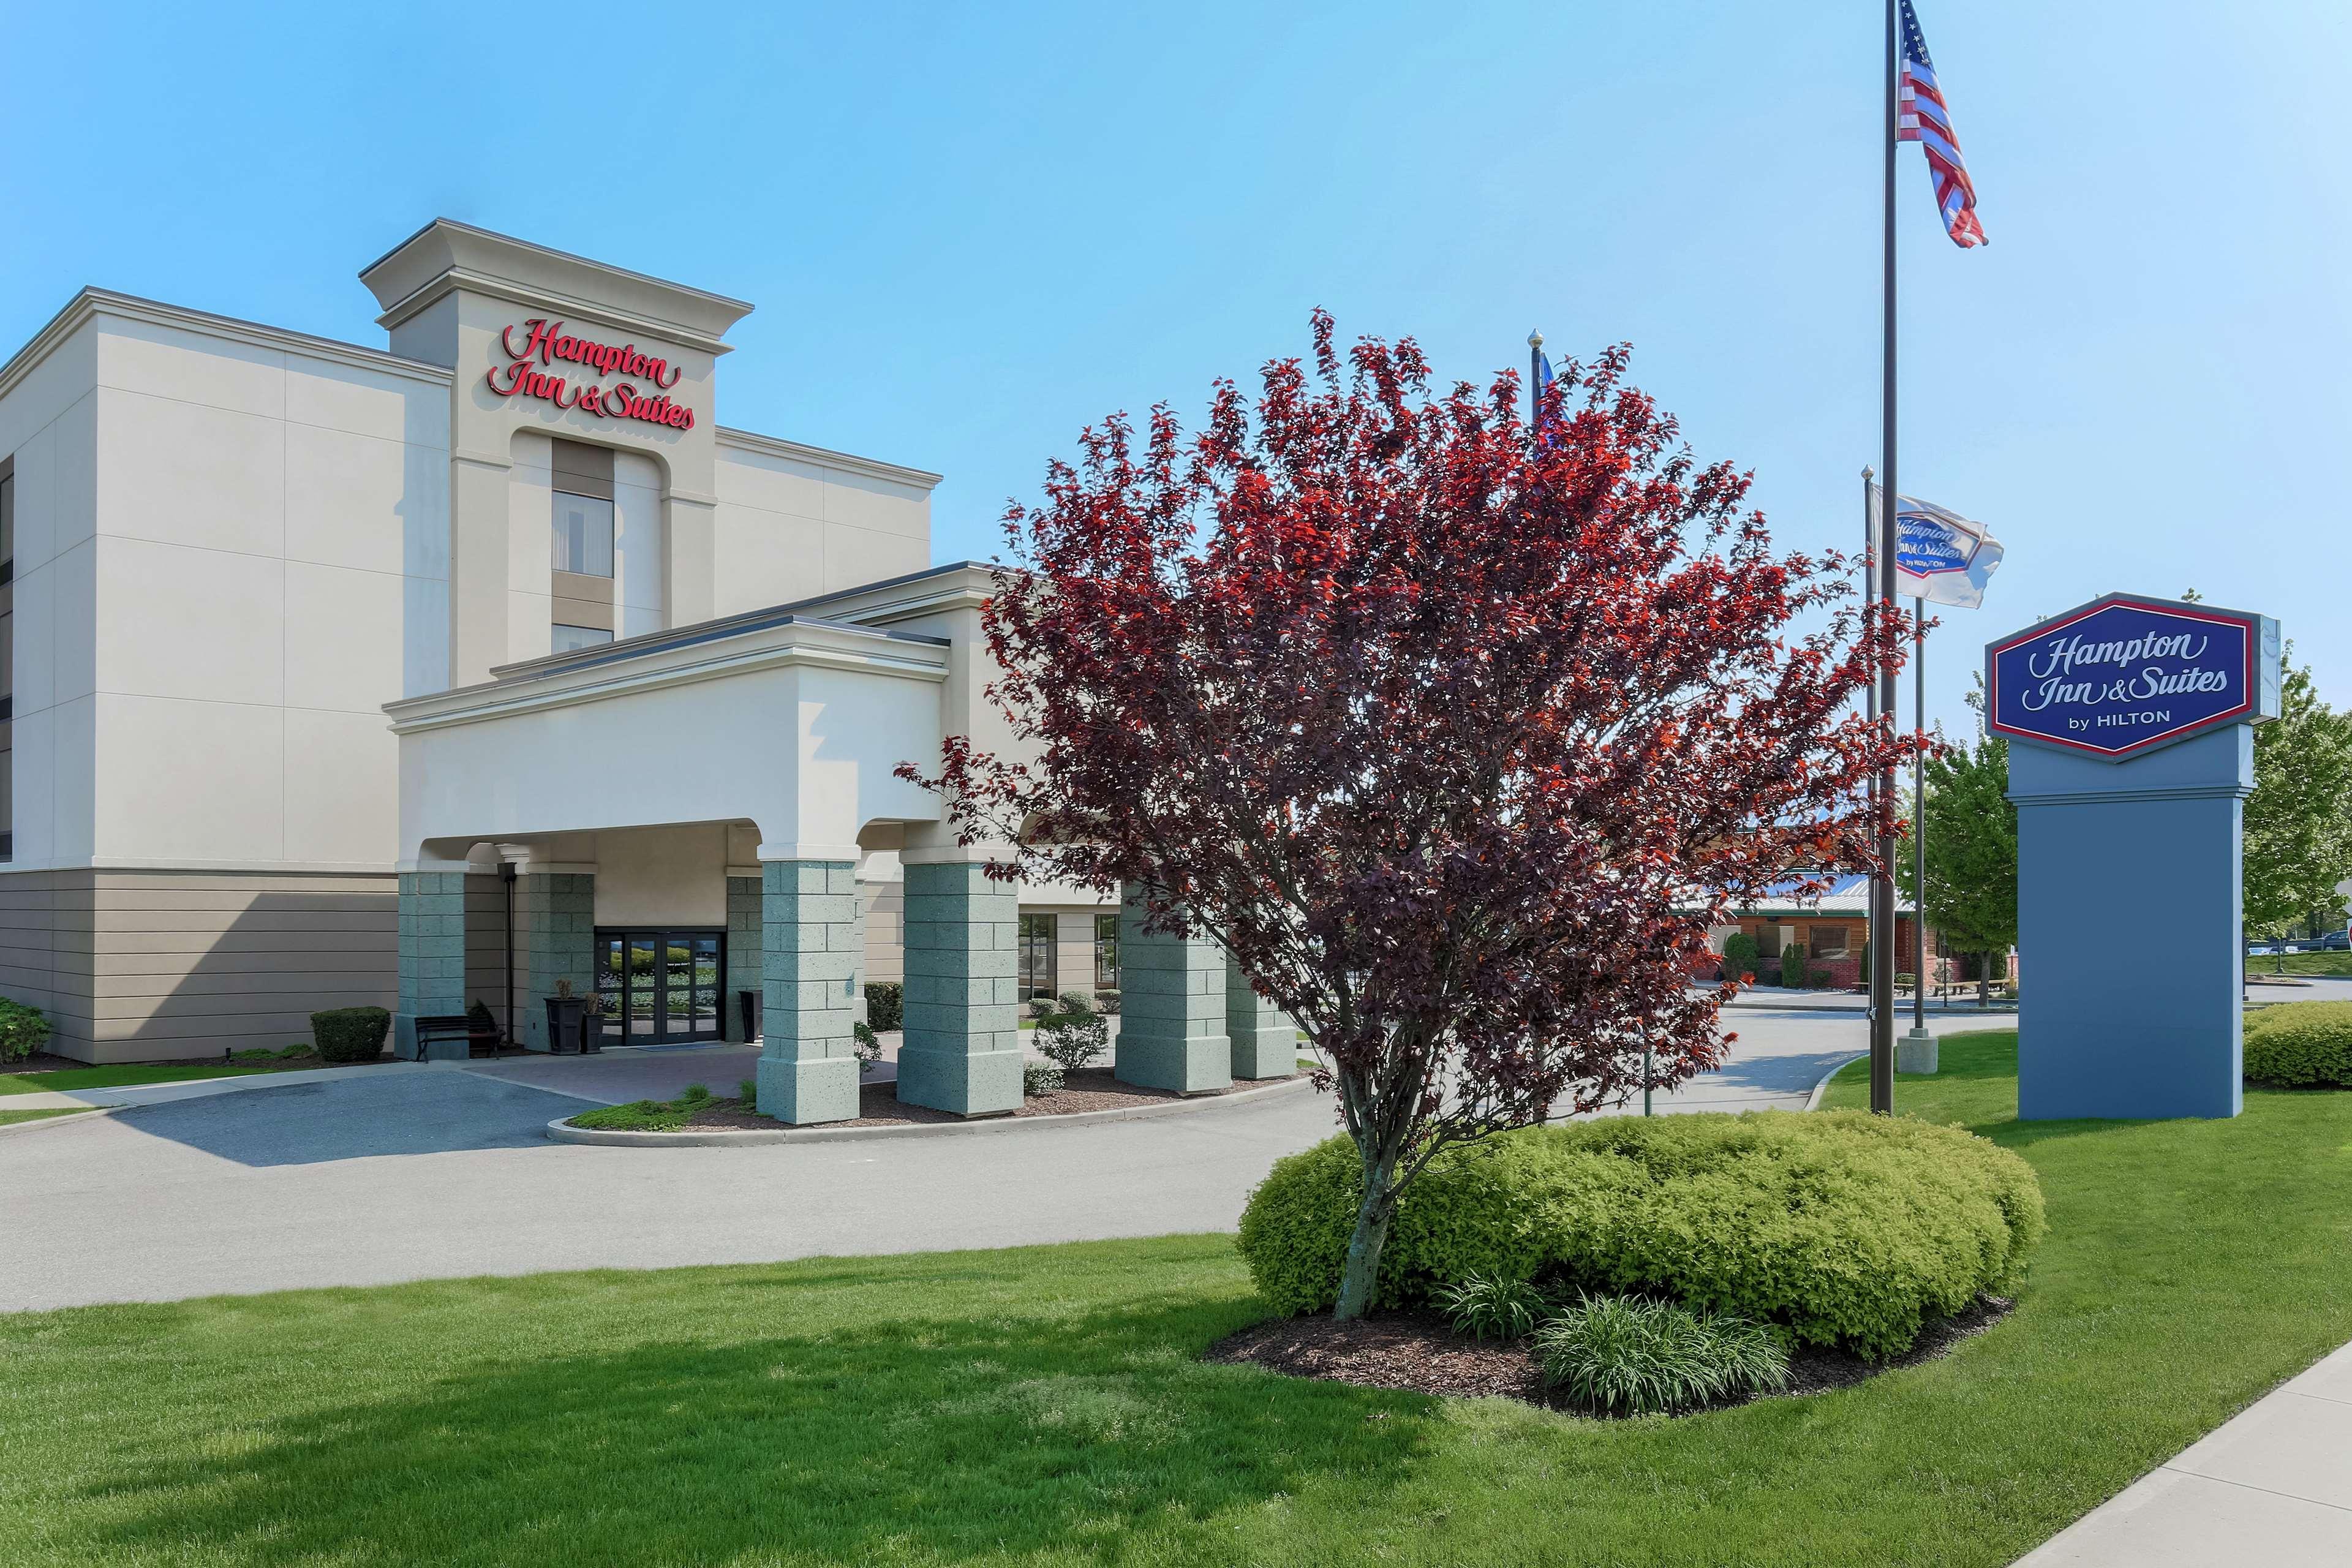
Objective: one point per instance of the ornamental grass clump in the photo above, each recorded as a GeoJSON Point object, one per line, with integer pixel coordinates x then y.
{"type": "Point", "coordinates": [1629, 1355]}
{"type": "Point", "coordinates": [2301, 1045]}
{"type": "Point", "coordinates": [1845, 1228]}
{"type": "Point", "coordinates": [1489, 1307]}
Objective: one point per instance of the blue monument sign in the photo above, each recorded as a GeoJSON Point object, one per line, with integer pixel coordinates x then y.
{"type": "Point", "coordinates": [2131, 722]}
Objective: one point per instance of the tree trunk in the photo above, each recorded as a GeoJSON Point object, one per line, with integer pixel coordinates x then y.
{"type": "Point", "coordinates": [1363, 1267]}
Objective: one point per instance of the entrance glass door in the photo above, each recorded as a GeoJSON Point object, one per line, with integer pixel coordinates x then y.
{"type": "Point", "coordinates": [659, 987]}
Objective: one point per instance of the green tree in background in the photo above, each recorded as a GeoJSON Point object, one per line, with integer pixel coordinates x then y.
{"type": "Point", "coordinates": [2298, 833]}
{"type": "Point", "coordinates": [1971, 896]}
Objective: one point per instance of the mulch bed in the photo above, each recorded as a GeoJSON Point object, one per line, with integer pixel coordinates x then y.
{"type": "Point", "coordinates": [1419, 1352]}
{"type": "Point", "coordinates": [1090, 1088]}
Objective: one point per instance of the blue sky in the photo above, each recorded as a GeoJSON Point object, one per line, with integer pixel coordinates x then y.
{"type": "Point", "coordinates": [971, 230]}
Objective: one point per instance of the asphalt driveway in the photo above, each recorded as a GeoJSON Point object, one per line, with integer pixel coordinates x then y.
{"type": "Point", "coordinates": [410, 1172]}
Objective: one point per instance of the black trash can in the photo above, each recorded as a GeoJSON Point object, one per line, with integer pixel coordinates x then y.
{"type": "Point", "coordinates": [563, 1032]}
{"type": "Point", "coordinates": [747, 1004]}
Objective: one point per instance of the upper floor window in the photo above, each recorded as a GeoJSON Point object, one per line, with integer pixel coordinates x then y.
{"type": "Point", "coordinates": [564, 638]}
{"type": "Point", "coordinates": [582, 478]}
{"type": "Point", "coordinates": [584, 534]}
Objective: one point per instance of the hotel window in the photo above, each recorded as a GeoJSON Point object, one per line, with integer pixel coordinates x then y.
{"type": "Point", "coordinates": [1105, 952]}
{"type": "Point", "coordinates": [571, 639]}
{"type": "Point", "coordinates": [584, 534]}
{"type": "Point", "coordinates": [581, 608]}
{"type": "Point", "coordinates": [582, 482]}
{"type": "Point", "coordinates": [1827, 942]}
{"type": "Point", "coordinates": [7, 658]}
{"type": "Point", "coordinates": [1038, 934]}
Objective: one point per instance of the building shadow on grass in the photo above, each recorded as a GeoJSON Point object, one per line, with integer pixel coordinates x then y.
{"type": "Point", "coordinates": [912, 1437]}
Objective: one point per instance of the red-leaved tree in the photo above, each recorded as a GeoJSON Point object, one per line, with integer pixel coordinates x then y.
{"type": "Point", "coordinates": [1457, 736]}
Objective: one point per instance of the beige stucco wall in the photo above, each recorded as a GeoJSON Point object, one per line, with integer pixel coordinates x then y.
{"type": "Point", "coordinates": [662, 876]}
{"type": "Point", "coordinates": [791, 525]}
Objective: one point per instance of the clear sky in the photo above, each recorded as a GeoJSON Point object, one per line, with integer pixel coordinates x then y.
{"type": "Point", "coordinates": [968, 230]}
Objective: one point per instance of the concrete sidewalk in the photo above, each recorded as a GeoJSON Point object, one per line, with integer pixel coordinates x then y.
{"type": "Point", "coordinates": [2272, 1486]}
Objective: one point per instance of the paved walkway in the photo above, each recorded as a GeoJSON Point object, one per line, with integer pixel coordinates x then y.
{"type": "Point", "coordinates": [2272, 1486]}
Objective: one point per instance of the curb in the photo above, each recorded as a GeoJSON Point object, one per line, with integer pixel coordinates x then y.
{"type": "Point", "coordinates": [72, 1113]}
{"type": "Point", "coordinates": [1813, 1100]}
{"type": "Point", "coordinates": [603, 1137]}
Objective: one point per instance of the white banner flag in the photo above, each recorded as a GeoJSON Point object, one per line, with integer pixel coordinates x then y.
{"type": "Point", "coordinates": [1939, 555]}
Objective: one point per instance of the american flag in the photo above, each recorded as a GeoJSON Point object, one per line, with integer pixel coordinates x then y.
{"type": "Point", "coordinates": [1926, 121]}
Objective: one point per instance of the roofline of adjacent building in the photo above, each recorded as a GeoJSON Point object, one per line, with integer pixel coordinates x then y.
{"type": "Point", "coordinates": [802, 452]}
{"type": "Point", "coordinates": [93, 301]}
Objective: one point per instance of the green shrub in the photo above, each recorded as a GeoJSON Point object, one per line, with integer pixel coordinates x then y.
{"type": "Point", "coordinates": [1487, 1307]}
{"type": "Point", "coordinates": [886, 1005]}
{"type": "Point", "coordinates": [23, 1030]}
{"type": "Point", "coordinates": [2298, 1044]}
{"type": "Point", "coordinates": [1073, 1039]}
{"type": "Point", "coordinates": [1626, 1355]}
{"type": "Point", "coordinates": [748, 1091]}
{"type": "Point", "coordinates": [1040, 1077]}
{"type": "Point", "coordinates": [1847, 1228]}
{"type": "Point", "coordinates": [1740, 955]}
{"type": "Point", "coordinates": [349, 1034]}
{"type": "Point", "coordinates": [480, 1019]}
{"type": "Point", "coordinates": [1793, 965]}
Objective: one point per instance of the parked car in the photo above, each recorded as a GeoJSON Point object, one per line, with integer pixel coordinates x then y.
{"type": "Point", "coordinates": [2334, 941]}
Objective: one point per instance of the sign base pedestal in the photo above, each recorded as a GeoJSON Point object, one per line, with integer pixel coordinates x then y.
{"type": "Point", "coordinates": [1915, 1053]}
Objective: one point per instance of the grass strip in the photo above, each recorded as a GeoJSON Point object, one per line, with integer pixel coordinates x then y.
{"type": "Point", "coordinates": [10, 1118]}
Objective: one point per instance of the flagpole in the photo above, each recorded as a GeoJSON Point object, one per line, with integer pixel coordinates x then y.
{"type": "Point", "coordinates": [1869, 596]}
{"type": "Point", "coordinates": [1535, 381]}
{"type": "Point", "coordinates": [1919, 823]}
{"type": "Point", "coordinates": [1881, 891]}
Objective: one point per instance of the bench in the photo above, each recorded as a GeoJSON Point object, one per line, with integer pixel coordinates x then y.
{"type": "Point", "coordinates": [443, 1026]}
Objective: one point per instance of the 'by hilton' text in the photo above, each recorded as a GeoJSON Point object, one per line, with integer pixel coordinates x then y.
{"type": "Point", "coordinates": [547, 343]}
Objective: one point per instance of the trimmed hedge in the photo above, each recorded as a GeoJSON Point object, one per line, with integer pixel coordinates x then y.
{"type": "Point", "coordinates": [23, 1030]}
{"type": "Point", "coordinates": [2301, 1045]}
{"type": "Point", "coordinates": [351, 1034]}
{"type": "Point", "coordinates": [886, 1005]}
{"type": "Point", "coordinates": [1847, 1228]}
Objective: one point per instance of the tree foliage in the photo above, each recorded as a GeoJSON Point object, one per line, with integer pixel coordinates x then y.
{"type": "Point", "coordinates": [1458, 739]}
{"type": "Point", "coordinates": [2299, 821]}
{"type": "Point", "coordinates": [1971, 831]}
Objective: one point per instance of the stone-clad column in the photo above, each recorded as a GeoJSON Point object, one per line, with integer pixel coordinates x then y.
{"type": "Point", "coordinates": [1264, 1043]}
{"type": "Point", "coordinates": [1172, 1024]}
{"type": "Point", "coordinates": [747, 955]}
{"type": "Point", "coordinates": [432, 958]}
{"type": "Point", "coordinates": [961, 1051]}
{"type": "Point", "coordinates": [555, 940]}
{"type": "Point", "coordinates": [813, 949]}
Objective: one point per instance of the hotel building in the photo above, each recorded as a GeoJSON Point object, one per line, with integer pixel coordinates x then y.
{"type": "Point", "coordinates": [335, 675]}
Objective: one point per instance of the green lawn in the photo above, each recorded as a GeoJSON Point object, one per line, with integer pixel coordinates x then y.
{"type": "Point", "coordinates": [2301, 963]}
{"type": "Point", "coordinates": [10, 1118]}
{"type": "Point", "coordinates": [1045, 1405]}
{"type": "Point", "coordinates": [115, 1076]}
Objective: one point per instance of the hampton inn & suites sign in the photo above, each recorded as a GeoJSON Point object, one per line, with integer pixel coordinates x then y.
{"type": "Point", "coordinates": [2124, 674]}
{"type": "Point", "coordinates": [535, 367]}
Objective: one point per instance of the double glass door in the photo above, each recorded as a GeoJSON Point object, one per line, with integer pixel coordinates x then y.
{"type": "Point", "coordinates": [660, 986]}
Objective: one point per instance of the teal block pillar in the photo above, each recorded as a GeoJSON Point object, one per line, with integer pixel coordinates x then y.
{"type": "Point", "coordinates": [1264, 1043]}
{"type": "Point", "coordinates": [556, 942]}
{"type": "Point", "coordinates": [1171, 1024]}
{"type": "Point", "coordinates": [747, 955]}
{"type": "Point", "coordinates": [432, 958]}
{"type": "Point", "coordinates": [961, 1051]}
{"type": "Point", "coordinates": [813, 952]}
